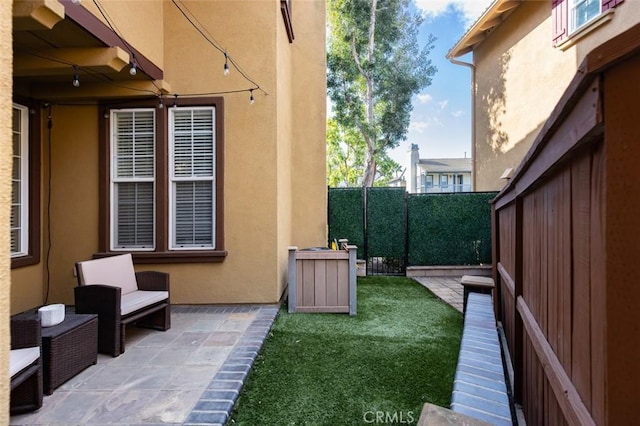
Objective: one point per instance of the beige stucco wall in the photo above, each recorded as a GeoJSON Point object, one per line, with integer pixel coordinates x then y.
{"type": "Point", "coordinates": [5, 202]}
{"type": "Point", "coordinates": [520, 77]}
{"type": "Point", "coordinates": [274, 183]}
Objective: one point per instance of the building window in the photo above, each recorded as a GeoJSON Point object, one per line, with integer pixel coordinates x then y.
{"type": "Point", "coordinates": [570, 16]}
{"type": "Point", "coordinates": [133, 179]}
{"type": "Point", "coordinates": [20, 182]}
{"type": "Point", "coordinates": [429, 181]}
{"type": "Point", "coordinates": [582, 12]}
{"type": "Point", "coordinates": [165, 181]}
{"type": "Point", "coordinates": [444, 181]}
{"type": "Point", "coordinates": [25, 186]}
{"type": "Point", "coordinates": [192, 176]}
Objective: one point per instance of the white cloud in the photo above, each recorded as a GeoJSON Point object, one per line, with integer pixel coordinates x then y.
{"type": "Point", "coordinates": [471, 9]}
{"type": "Point", "coordinates": [424, 98]}
{"type": "Point", "coordinates": [457, 113]}
{"type": "Point", "coordinates": [421, 126]}
{"type": "Point", "coordinates": [443, 104]}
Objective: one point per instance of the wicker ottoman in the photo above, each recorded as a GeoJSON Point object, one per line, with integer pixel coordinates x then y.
{"type": "Point", "coordinates": [68, 348]}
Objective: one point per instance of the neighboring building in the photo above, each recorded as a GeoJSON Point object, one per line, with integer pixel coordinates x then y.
{"type": "Point", "coordinates": [438, 174]}
{"type": "Point", "coordinates": [524, 56]}
{"type": "Point", "coordinates": [170, 161]}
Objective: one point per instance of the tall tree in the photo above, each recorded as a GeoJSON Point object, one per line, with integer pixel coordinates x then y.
{"type": "Point", "coordinates": [375, 66]}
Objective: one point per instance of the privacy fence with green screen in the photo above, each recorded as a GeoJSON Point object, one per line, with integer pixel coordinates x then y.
{"type": "Point", "coordinates": [449, 229]}
{"type": "Point", "coordinates": [396, 229]}
{"type": "Point", "coordinates": [346, 216]}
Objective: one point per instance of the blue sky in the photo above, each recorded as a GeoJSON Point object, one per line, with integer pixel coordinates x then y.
{"type": "Point", "coordinates": [441, 117]}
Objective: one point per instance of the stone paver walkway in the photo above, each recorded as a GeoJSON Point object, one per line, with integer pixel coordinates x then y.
{"type": "Point", "coordinates": [448, 289]}
{"type": "Point", "coordinates": [191, 374]}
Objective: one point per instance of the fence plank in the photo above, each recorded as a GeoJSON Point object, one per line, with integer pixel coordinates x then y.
{"type": "Point", "coordinates": [565, 393]}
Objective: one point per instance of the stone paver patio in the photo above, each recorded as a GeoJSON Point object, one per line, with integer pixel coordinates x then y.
{"type": "Point", "coordinates": [448, 289]}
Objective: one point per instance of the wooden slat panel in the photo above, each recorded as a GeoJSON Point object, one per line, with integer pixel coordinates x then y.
{"type": "Point", "coordinates": [320, 282]}
{"type": "Point", "coordinates": [322, 254]}
{"type": "Point", "coordinates": [308, 283]}
{"type": "Point", "coordinates": [325, 309]}
{"type": "Point", "coordinates": [598, 285]}
{"type": "Point", "coordinates": [343, 283]}
{"type": "Point", "coordinates": [299, 286]}
{"type": "Point", "coordinates": [581, 228]}
{"type": "Point", "coordinates": [332, 283]}
{"type": "Point", "coordinates": [565, 274]}
{"type": "Point", "coordinates": [565, 393]}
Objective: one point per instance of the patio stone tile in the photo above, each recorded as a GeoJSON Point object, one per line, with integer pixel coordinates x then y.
{"type": "Point", "coordinates": [77, 408]}
{"type": "Point", "coordinates": [208, 355]}
{"type": "Point", "coordinates": [173, 356]}
{"type": "Point", "coordinates": [207, 325]}
{"type": "Point", "coordinates": [191, 377]}
{"type": "Point", "coordinates": [223, 338]}
{"type": "Point", "coordinates": [152, 377]}
{"type": "Point", "coordinates": [242, 316]}
{"type": "Point", "coordinates": [120, 407]}
{"type": "Point", "coordinates": [134, 356]}
{"type": "Point", "coordinates": [236, 325]}
{"type": "Point", "coordinates": [107, 379]}
{"type": "Point", "coordinates": [169, 406]}
{"type": "Point", "coordinates": [189, 338]}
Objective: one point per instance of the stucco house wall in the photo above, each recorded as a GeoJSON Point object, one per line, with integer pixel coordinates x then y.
{"type": "Point", "coordinates": [274, 149]}
{"type": "Point", "coordinates": [520, 77]}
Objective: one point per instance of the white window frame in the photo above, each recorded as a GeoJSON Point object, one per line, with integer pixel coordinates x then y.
{"type": "Point", "coordinates": [573, 6]}
{"type": "Point", "coordinates": [23, 198]}
{"type": "Point", "coordinates": [175, 179]}
{"type": "Point", "coordinates": [114, 180]}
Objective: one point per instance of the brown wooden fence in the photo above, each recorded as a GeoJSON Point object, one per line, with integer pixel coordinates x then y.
{"type": "Point", "coordinates": [553, 250]}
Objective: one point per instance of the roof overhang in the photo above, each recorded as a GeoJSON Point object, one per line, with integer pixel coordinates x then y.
{"type": "Point", "coordinates": [55, 39]}
{"type": "Point", "coordinates": [492, 17]}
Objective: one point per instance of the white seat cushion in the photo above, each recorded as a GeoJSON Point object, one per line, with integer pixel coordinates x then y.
{"type": "Point", "coordinates": [133, 301]}
{"type": "Point", "coordinates": [21, 358]}
{"type": "Point", "coordinates": [114, 270]}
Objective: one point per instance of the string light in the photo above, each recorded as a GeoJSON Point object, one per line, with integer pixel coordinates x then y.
{"type": "Point", "coordinates": [134, 68]}
{"type": "Point", "coordinates": [76, 78]}
{"type": "Point", "coordinates": [160, 104]}
{"type": "Point", "coordinates": [175, 100]}
{"type": "Point", "coordinates": [226, 64]}
{"type": "Point", "coordinates": [251, 98]}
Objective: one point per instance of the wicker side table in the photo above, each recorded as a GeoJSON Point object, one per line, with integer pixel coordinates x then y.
{"type": "Point", "coordinates": [67, 348]}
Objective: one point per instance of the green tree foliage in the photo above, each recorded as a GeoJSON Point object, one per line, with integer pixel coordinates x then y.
{"type": "Point", "coordinates": [375, 66]}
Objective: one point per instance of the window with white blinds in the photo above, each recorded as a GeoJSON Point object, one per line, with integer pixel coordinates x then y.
{"type": "Point", "coordinates": [20, 182]}
{"type": "Point", "coordinates": [133, 179]}
{"type": "Point", "coordinates": [191, 178]}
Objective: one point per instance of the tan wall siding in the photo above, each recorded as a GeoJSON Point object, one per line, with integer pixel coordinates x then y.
{"type": "Point", "coordinates": [520, 77]}
{"type": "Point", "coordinates": [309, 186]}
{"type": "Point", "coordinates": [139, 22]}
{"type": "Point", "coordinates": [5, 201]}
{"type": "Point", "coordinates": [263, 151]}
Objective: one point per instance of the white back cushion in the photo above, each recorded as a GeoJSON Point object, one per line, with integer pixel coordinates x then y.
{"type": "Point", "coordinates": [114, 270]}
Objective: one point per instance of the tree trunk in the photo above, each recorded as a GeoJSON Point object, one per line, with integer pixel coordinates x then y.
{"type": "Point", "coordinates": [370, 160]}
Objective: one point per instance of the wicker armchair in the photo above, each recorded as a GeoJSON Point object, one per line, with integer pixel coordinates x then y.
{"type": "Point", "coordinates": [25, 371]}
{"type": "Point", "coordinates": [110, 288]}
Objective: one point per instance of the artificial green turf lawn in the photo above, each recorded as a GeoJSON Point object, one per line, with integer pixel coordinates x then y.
{"type": "Point", "coordinates": [397, 353]}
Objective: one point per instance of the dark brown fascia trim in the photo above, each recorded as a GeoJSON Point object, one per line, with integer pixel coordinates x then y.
{"type": "Point", "coordinates": [147, 257]}
{"type": "Point", "coordinates": [285, 7]}
{"type": "Point", "coordinates": [106, 35]}
{"type": "Point", "coordinates": [35, 144]}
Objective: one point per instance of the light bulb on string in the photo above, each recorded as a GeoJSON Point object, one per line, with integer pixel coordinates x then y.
{"type": "Point", "coordinates": [76, 78]}
{"type": "Point", "coordinates": [160, 103]}
{"type": "Point", "coordinates": [175, 100]}
{"type": "Point", "coordinates": [226, 64]}
{"type": "Point", "coordinates": [134, 68]}
{"type": "Point", "coordinates": [251, 98]}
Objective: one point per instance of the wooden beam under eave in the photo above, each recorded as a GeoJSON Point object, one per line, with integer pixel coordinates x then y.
{"type": "Point", "coordinates": [507, 5]}
{"type": "Point", "coordinates": [98, 91]}
{"type": "Point", "coordinates": [60, 61]}
{"type": "Point", "coordinates": [487, 25]}
{"type": "Point", "coordinates": [36, 15]}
